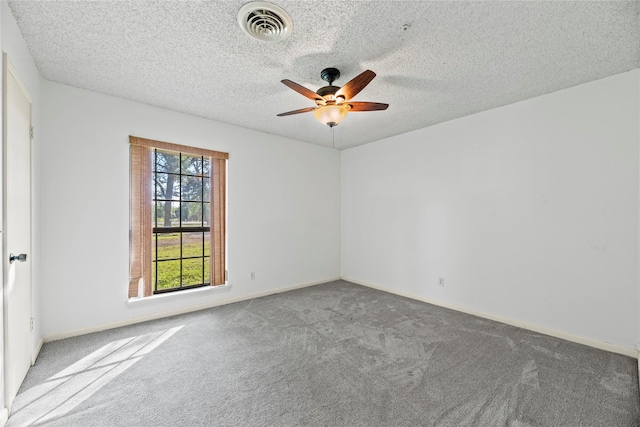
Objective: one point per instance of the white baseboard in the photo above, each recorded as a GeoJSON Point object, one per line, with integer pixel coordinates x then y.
{"type": "Point", "coordinates": [524, 325]}
{"type": "Point", "coordinates": [183, 310]}
{"type": "Point", "coordinates": [4, 416]}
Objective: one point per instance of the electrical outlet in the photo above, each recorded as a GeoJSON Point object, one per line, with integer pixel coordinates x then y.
{"type": "Point", "coordinates": [253, 275]}
{"type": "Point", "coordinates": [441, 281]}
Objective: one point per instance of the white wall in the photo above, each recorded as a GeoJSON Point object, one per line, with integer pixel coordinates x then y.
{"type": "Point", "coordinates": [283, 206]}
{"type": "Point", "coordinates": [14, 45]}
{"type": "Point", "coordinates": [529, 211]}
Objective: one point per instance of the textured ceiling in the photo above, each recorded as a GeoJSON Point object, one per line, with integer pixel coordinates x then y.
{"type": "Point", "coordinates": [455, 59]}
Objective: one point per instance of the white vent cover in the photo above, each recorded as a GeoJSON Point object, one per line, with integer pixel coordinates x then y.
{"type": "Point", "coordinates": [264, 21]}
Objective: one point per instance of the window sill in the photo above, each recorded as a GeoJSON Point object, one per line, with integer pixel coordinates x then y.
{"type": "Point", "coordinates": [178, 295]}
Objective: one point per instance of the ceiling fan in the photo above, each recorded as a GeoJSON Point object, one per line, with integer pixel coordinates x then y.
{"type": "Point", "coordinates": [333, 102]}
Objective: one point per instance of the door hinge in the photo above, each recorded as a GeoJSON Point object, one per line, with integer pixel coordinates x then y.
{"type": "Point", "coordinates": [226, 275]}
{"type": "Point", "coordinates": [32, 324]}
{"type": "Point", "coordinates": [31, 132]}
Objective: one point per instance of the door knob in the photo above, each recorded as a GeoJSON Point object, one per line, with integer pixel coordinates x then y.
{"type": "Point", "coordinates": [21, 258]}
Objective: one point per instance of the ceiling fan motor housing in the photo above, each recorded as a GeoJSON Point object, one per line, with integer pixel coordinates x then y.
{"type": "Point", "coordinates": [329, 75]}
{"type": "Point", "coordinates": [327, 90]}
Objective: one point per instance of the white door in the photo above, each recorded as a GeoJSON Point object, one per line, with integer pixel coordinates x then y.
{"type": "Point", "coordinates": [16, 233]}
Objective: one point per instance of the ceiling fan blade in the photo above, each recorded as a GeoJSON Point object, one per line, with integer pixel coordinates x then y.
{"type": "Point", "coordinates": [302, 110]}
{"type": "Point", "coordinates": [303, 90]}
{"type": "Point", "coordinates": [355, 85]}
{"type": "Point", "coordinates": [367, 106]}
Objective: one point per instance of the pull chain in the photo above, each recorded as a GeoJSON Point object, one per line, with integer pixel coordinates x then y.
{"type": "Point", "coordinates": [333, 137]}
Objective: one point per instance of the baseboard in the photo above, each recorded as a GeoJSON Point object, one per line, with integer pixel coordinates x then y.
{"type": "Point", "coordinates": [4, 416]}
{"type": "Point", "coordinates": [183, 310]}
{"type": "Point", "coordinates": [524, 325]}
{"type": "Point", "coordinates": [36, 351]}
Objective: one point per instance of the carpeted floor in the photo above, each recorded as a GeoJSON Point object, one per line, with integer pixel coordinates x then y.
{"type": "Point", "coordinates": [336, 354]}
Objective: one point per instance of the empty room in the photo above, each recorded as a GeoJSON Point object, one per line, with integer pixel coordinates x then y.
{"type": "Point", "coordinates": [320, 213]}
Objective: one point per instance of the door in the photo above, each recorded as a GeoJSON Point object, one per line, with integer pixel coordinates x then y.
{"type": "Point", "coordinates": [16, 232]}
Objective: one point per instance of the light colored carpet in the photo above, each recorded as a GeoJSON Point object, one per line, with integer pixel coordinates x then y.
{"type": "Point", "coordinates": [336, 354]}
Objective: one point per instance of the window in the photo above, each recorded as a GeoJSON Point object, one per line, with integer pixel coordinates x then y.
{"type": "Point", "coordinates": [180, 240]}
{"type": "Point", "coordinates": [178, 203]}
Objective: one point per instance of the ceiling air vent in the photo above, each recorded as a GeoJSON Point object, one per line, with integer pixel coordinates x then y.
{"type": "Point", "coordinates": [264, 21]}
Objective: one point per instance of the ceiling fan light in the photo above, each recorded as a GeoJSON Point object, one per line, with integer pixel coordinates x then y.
{"type": "Point", "coordinates": [331, 115]}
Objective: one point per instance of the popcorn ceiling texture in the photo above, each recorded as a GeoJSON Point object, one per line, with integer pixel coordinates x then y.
{"type": "Point", "coordinates": [455, 59]}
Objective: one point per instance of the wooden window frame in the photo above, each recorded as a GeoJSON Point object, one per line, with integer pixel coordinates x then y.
{"type": "Point", "coordinates": [140, 226]}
